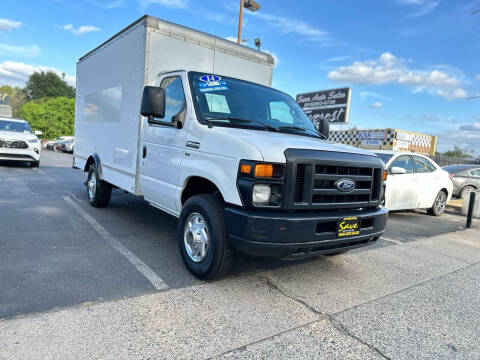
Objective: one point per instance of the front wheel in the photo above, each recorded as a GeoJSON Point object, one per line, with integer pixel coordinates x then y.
{"type": "Point", "coordinates": [465, 191]}
{"type": "Point", "coordinates": [439, 204]}
{"type": "Point", "coordinates": [202, 237]}
{"type": "Point", "coordinates": [99, 192]}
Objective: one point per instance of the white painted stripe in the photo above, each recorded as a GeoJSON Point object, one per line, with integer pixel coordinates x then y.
{"type": "Point", "coordinates": [391, 240]}
{"type": "Point", "coordinates": [144, 269]}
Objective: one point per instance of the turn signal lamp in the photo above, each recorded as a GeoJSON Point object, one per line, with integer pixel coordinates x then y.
{"type": "Point", "coordinates": [264, 170]}
{"type": "Point", "coordinates": [245, 169]}
{"type": "Point", "coordinates": [384, 175]}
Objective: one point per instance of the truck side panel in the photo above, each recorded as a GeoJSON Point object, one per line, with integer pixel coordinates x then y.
{"type": "Point", "coordinates": [107, 122]}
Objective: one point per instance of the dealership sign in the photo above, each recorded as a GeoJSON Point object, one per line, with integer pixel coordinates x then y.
{"type": "Point", "coordinates": [4, 98]}
{"type": "Point", "coordinates": [332, 105]}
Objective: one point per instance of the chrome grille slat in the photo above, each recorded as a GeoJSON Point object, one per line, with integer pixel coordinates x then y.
{"type": "Point", "coordinates": [336, 192]}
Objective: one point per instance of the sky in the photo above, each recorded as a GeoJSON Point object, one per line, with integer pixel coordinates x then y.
{"type": "Point", "coordinates": [412, 64]}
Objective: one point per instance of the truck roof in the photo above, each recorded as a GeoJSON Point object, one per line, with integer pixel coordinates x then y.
{"type": "Point", "coordinates": [193, 35]}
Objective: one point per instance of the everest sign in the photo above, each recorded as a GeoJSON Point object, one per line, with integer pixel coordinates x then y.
{"type": "Point", "coordinates": [332, 105]}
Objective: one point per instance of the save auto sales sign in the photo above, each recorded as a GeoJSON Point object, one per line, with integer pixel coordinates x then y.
{"type": "Point", "coordinates": [332, 105]}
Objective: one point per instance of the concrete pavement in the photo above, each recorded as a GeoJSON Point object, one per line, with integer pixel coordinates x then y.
{"type": "Point", "coordinates": [415, 300]}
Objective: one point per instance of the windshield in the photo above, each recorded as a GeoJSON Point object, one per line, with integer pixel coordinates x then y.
{"type": "Point", "coordinates": [384, 157]}
{"type": "Point", "coordinates": [16, 126]}
{"type": "Point", "coordinates": [224, 101]}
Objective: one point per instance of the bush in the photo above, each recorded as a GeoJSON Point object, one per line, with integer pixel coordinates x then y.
{"type": "Point", "coordinates": [54, 116]}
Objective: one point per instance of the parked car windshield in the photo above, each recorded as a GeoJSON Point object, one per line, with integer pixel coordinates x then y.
{"type": "Point", "coordinates": [384, 157]}
{"type": "Point", "coordinates": [6, 125]}
{"type": "Point", "coordinates": [225, 101]}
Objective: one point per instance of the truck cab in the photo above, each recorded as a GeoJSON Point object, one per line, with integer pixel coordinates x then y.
{"type": "Point", "coordinates": [239, 163]}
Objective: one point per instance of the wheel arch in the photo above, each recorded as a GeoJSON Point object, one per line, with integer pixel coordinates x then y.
{"type": "Point", "coordinates": [197, 185]}
{"type": "Point", "coordinates": [94, 159]}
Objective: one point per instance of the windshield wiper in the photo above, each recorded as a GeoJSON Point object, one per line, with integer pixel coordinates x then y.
{"type": "Point", "coordinates": [245, 121]}
{"type": "Point", "coordinates": [317, 134]}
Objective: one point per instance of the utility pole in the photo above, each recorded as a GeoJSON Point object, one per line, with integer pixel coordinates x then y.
{"type": "Point", "coordinates": [250, 5]}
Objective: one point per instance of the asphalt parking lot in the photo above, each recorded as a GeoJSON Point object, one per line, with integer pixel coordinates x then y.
{"type": "Point", "coordinates": [52, 257]}
{"type": "Point", "coordinates": [66, 267]}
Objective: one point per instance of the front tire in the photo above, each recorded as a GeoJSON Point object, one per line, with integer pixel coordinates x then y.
{"type": "Point", "coordinates": [465, 191]}
{"type": "Point", "coordinates": [439, 204]}
{"type": "Point", "coordinates": [99, 192]}
{"type": "Point", "coordinates": [35, 164]}
{"type": "Point", "coordinates": [202, 237]}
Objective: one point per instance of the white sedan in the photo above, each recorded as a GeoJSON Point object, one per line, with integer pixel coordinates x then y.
{"type": "Point", "coordinates": [415, 182]}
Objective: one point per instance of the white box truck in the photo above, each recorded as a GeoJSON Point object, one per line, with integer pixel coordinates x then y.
{"type": "Point", "coordinates": [189, 121]}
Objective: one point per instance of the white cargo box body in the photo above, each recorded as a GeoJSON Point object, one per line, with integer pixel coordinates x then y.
{"type": "Point", "coordinates": [110, 81]}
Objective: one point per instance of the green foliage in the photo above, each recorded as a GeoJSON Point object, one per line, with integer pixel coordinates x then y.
{"type": "Point", "coordinates": [54, 117]}
{"type": "Point", "coordinates": [6, 88]}
{"type": "Point", "coordinates": [47, 84]}
{"type": "Point", "coordinates": [458, 152]}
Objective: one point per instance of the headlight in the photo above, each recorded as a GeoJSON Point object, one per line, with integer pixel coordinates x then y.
{"type": "Point", "coordinates": [33, 141]}
{"type": "Point", "coordinates": [261, 194]}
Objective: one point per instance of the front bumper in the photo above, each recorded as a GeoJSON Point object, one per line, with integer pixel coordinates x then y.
{"type": "Point", "coordinates": [299, 235]}
{"type": "Point", "coordinates": [19, 154]}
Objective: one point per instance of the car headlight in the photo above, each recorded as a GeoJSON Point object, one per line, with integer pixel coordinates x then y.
{"type": "Point", "coordinates": [33, 141]}
{"type": "Point", "coordinates": [261, 194]}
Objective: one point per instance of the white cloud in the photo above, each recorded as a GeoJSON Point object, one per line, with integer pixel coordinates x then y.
{"type": "Point", "coordinates": [376, 105]}
{"type": "Point", "coordinates": [421, 7]}
{"type": "Point", "coordinates": [29, 51]}
{"type": "Point", "coordinates": [478, 77]}
{"type": "Point", "coordinates": [9, 25]}
{"type": "Point", "coordinates": [289, 25]}
{"type": "Point", "coordinates": [335, 59]}
{"type": "Point", "coordinates": [109, 4]}
{"type": "Point", "coordinates": [181, 4]}
{"type": "Point", "coordinates": [390, 69]}
{"type": "Point", "coordinates": [16, 73]}
{"type": "Point", "coordinates": [81, 30]}
{"type": "Point", "coordinates": [471, 127]}
{"type": "Point", "coordinates": [370, 94]}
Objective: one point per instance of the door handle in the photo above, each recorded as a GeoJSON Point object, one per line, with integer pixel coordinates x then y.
{"type": "Point", "coordinates": [144, 152]}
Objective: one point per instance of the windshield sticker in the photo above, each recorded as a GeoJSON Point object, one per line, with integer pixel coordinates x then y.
{"type": "Point", "coordinates": [210, 83]}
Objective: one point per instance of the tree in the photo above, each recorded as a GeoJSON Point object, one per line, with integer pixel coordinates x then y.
{"type": "Point", "coordinates": [6, 88]}
{"type": "Point", "coordinates": [54, 117]}
{"type": "Point", "coordinates": [47, 84]}
{"type": "Point", "coordinates": [458, 153]}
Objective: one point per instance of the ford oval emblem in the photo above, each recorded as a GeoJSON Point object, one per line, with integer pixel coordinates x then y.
{"type": "Point", "coordinates": [345, 185]}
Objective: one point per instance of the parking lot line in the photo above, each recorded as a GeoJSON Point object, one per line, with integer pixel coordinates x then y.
{"type": "Point", "coordinates": [391, 240]}
{"type": "Point", "coordinates": [143, 268]}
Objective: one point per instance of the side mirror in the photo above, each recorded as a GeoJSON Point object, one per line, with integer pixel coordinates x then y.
{"type": "Point", "coordinates": [153, 102]}
{"type": "Point", "coordinates": [38, 133]}
{"type": "Point", "coordinates": [397, 170]}
{"type": "Point", "coordinates": [324, 127]}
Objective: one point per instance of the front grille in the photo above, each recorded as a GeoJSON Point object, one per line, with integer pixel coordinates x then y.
{"type": "Point", "coordinates": [8, 144]}
{"type": "Point", "coordinates": [314, 182]}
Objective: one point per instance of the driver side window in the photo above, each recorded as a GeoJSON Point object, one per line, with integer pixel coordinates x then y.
{"type": "Point", "coordinates": [404, 162]}
{"type": "Point", "coordinates": [174, 97]}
